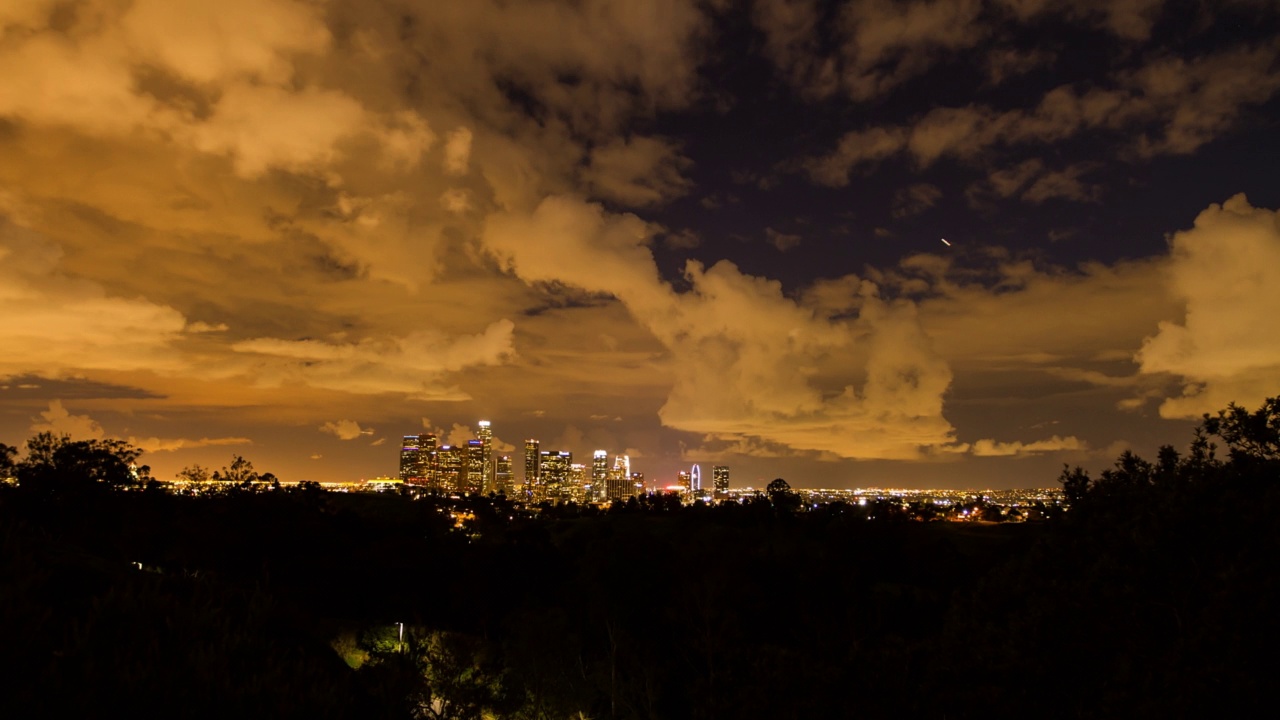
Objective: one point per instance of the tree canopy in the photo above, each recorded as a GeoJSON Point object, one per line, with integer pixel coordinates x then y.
{"type": "Point", "coordinates": [58, 464]}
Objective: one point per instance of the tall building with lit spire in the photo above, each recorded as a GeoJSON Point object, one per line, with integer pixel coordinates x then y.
{"type": "Point", "coordinates": [599, 476]}
{"type": "Point", "coordinates": [618, 485]}
{"type": "Point", "coordinates": [487, 473]}
{"type": "Point", "coordinates": [502, 480]}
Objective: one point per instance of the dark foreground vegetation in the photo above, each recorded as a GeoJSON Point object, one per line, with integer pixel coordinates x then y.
{"type": "Point", "coordinates": [1154, 596]}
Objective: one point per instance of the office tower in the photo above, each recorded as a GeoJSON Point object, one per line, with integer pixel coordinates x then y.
{"type": "Point", "coordinates": [579, 483]}
{"type": "Point", "coordinates": [502, 477]}
{"type": "Point", "coordinates": [450, 464]}
{"type": "Point", "coordinates": [408, 457]}
{"type": "Point", "coordinates": [598, 489]}
{"type": "Point", "coordinates": [473, 477]}
{"type": "Point", "coordinates": [720, 481]}
{"type": "Point", "coordinates": [554, 467]}
{"type": "Point", "coordinates": [531, 460]}
{"type": "Point", "coordinates": [695, 482]}
{"type": "Point", "coordinates": [618, 480]}
{"type": "Point", "coordinates": [637, 483]}
{"type": "Point", "coordinates": [487, 472]}
{"type": "Point", "coordinates": [427, 459]}
{"type": "Point", "coordinates": [411, 459]}
{"type": "Point", "coordinates": [682, 479]}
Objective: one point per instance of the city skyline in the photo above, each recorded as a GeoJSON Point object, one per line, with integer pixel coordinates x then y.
{"type": "Point", "coordinates": [848, 243]}
{"type": "Point", "coordinates": [547, 474]}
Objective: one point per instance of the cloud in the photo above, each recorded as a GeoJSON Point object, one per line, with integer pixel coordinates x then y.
{"type": "Point", "coordinates": [915, 199]}
{"type": "Point", "coordinates": [56, 324]}
{"type": "Point", "coordinates": [155, 444]}
{"type": "Point", "coordinates": [59, 421]}
{"type": "Point", "coordinates": [458, 435]}
{"type": "Point", "coordinates": [993, 448]}
{"type": "Point", "coordinates": [1128, 19]}
{"type": "Point", "coordinates": [1226, 348]}
{"type": "Point", "coordinates": [1009, 181]}
{"type": "Point", "coordinates": [345, 429]}
{"type": "Point", "coordinates": [1065, 184]}
{"type": "Point", "coordinates": [295, 209]}
{"type": "Point", "coordinates": [413, 364]}
{"type": "Point", "coordinates": [684, 240]}
{"type": "Point", "coordinates": [744, 356]}
{"type": "Point", "coordinates": [225, 83]}
{"type": "Point", "coordinates": [855, 148]}
{"type": "Point", "coordinates": [782, 241]}
{"type": "Point", "coordinates": [1171, 105]}
{"type": "Point", "coordinates": [1194, 101]}
{"type": "Point", "coordinates": [877, 45]}
{"type": "Point", "coordinates": [790, 30]}
{"type": "Point", "coordinates": [457, 152]}
{"type": "Point", "coordinates": [1032, 182]}
{"type": "Point", "coordinates": [205, 43]}
{"type": "Point", "coordinates": [570, 439]}
{"type": "Point", "coordinates": [715, 448]}
{"type": "Point", "coordinates": [263, 128]}
{"type": "Point", "coordinates": [1005, 63]}
{"type": "Point", "coordinates": [870, 48]}
{"type": "Point", "coordinates": [888, 43]}
{"type": "Point", "coordinates": [637, 171]}
{"type": "Point", "coordinates": [1022, 336]}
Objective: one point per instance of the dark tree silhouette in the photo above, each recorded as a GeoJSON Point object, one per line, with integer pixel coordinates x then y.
{"type": "Point", "coordinates": [58, 464]}
{"type": "Point", "coordinates": [240, 472]}
{"type": "Point", "coordinates": [7, 454]}
{"type": "Point", "coordinates": [782, 497]}
{"type": "Point", "coordinates": [1153, 595]}
{"type": "Point", "coordinates": [194, 474]}
{"type": "Point", "coordinates": [1248, 435]}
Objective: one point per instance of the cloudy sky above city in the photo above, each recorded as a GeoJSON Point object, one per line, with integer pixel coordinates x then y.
{"type": "Point", "coordinates": [296, 230]}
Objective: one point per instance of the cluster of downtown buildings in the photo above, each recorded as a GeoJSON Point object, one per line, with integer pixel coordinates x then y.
{"type": "Point", "coordinates": [549, 475]}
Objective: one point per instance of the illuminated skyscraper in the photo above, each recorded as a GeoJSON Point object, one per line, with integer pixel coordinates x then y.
{"type": "Point", "coordinates": [720, 480]}
{"type": "Point", "coordinates": [599, 477]}
{"type": "Point", "coordinates": [450, 463]}
{"type": "Point", "coordinates": [579, 483]}
{"type": "Point", "coordinates": [531, 460]}
{"type": "Point", "coordinates": [554, 468]}
{"type": "Point", "coordinates": [619, 485]}
{"type": "Point", "coordinates": [487, 472]}
{"type": "Point", "coordinates": [409, 458]}
{"type": "Point", "coordinates": [473, 472]}
{"type": "Point", "coordinates": [428, 460]}
{"type": "Point", "coordinates": [415, 455]}
{"type": "Point", "coordinates": [503, 482]}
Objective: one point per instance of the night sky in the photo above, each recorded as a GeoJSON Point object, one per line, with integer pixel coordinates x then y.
{"type": "Point", "coordinates": [702, 232]}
